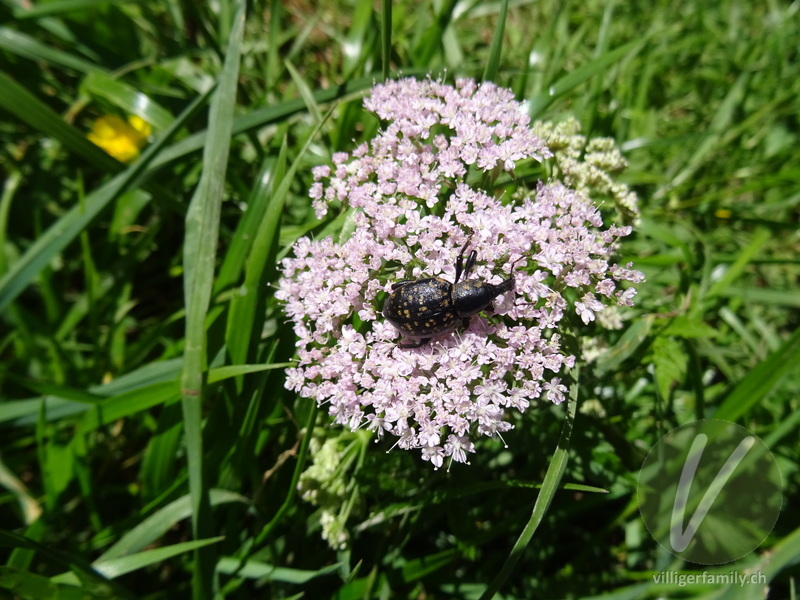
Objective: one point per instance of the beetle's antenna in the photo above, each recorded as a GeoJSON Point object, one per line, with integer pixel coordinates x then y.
{"type": "Point", "coordinates": [460, 260]}
{"type": "Point", "coordinates": [470, 263]}
{"type": "Point", "coordinates": [514, 264]}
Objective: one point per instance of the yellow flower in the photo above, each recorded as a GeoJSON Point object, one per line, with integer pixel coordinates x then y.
{"type": "Point", "coordinates": [121, 139]}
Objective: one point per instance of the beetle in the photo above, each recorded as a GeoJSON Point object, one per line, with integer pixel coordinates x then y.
{"type": "Point", "coordinates": [422, 308]}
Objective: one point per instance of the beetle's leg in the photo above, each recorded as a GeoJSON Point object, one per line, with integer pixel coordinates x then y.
{"type": "Point", "coordinates": [460, 260]}
{"type": "Point", "coordinates": [417, 344]}
{"type": "Point", "coordinates": [398, 284]}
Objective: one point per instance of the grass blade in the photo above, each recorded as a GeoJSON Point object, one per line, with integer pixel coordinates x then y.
{"type": "Point", "coordinates": [538, 104]}
{"type": "Point", "coordinates": [160, 522]}
{"type": "Point", "coordinates": [22, 45]}
{"type": "Point", "coordinates": [91, 581]}
{"type": "Point", "coordinates": [10, 187]}
{"type": "Point", "coordinates": [254, 569]}
{"type": "Point", "coordinates": [493, 64]}
{"type": "Point", "coordinates": [59, 7]}
{"type": "Point", "coordinates": [23, 584]}
{"type": "Point", "coordinates": [117, 567]}
{"type": "Point", "coordinates": [200, 245]}
{"type": "Point", "coordinates": [241, 322]}
{"type": "Point", "coordinates": [263, 116]}
{"type": "Point", "coordinates": [761, 380]}
{"type": "Point", "coordinates": [127, 98]}
{"type": "Point", "coordinates": [386, 39]}
{"type": "Point", "coordinates": [745, 257]}
{"type": "Point", "coordinates": [247, 228]}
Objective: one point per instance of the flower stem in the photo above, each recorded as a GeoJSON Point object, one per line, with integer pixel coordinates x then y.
{"type": "Point", "coordinates": [552, 478]}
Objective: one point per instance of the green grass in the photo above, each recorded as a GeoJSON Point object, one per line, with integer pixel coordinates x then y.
{"type": "Point", "coordinates": [148, 448]}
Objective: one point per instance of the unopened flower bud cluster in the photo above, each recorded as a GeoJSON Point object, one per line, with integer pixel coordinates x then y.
{"type": "Point", "coordinates": [324, 484]}
{"type": "Point", "coordinates": [589, 167]}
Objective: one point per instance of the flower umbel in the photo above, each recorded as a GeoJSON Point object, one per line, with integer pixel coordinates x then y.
{"type": "Point", "coordinates": [412, 210]}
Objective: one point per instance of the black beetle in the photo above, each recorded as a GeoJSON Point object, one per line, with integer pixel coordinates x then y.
{"type": "Point", "coordinates": [423, 308]}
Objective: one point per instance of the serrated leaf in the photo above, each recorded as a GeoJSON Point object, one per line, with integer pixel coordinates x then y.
{"type": "Point", "coordinates": [670, 361]}
{"type": "Point", "coordinates": [685, 326]}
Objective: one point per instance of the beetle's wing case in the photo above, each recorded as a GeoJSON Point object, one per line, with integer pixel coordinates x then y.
{"type": "Point", "coordinates": [422, 308]}
{"type": "Point", "coordinates": [419, 300]}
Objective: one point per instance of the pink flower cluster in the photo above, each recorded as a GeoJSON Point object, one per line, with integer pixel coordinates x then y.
{"type": "Point", "coordinates": [411, 212]}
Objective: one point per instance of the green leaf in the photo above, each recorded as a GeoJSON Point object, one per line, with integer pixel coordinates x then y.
{"type": "Point", "coordinates": [686, 326]}
{"type": "Point", "coordinates": [242, 319]}
{"type": "Point", "coordinates": [386, 39]}
{"type": "Point", "coordinates": [358, 37]}
{"type": "Point", "coordinates": [57, 467]}
{"type": "Point", "coordinates": [128, 403]}
{"type": "Point", "coordinates": [61, 402]}
{"type": "Point", "coordinates": [670, 363]}
{"type": "Point", "coordinates": [260, 117]}
{"type": "Point", "coordinates": [785, 553]}
{"type": "Point", "coordinates": [273, 169]}
{"type": "Point", "coordinates": [709, 144]}
{"type": "Point", "coordinates": [759, 238]}
{"type": "Point", "coordinates": [431, 40]}
{"type": "Point", "coordinates": [10, 187]}
{"type": "Point", "coordinates": [305, 93]}
{"type": "Point", "coordinates": [159, 469]}
{"type": "Point", "coordinates": [757, 295]}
